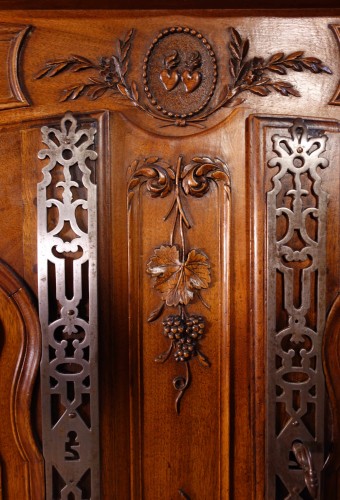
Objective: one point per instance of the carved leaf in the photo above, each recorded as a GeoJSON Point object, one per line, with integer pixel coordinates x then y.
{"type": "Point", "coordinates": [276, 57]}
{"type": "Point", "coordinates": [260, 90]}
{"type": "Point", "coordinates": [73, 92]}
{"type": "Point", "coordinates": [236, 36]}
{"type": "Point", "coordinates": [285, 88]}
{"type": "Point", "coordinates": [134, 91]}
{"type": "Point", "coordinates": [155, 314]}
{"type": "Point", "coordinates": [176, 280]}
{"type": "Point", "coordinates": [203, 359]}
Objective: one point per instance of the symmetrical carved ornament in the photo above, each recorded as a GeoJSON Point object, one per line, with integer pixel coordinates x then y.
{"type": "Point", "coordinates": [180, 75]}
{"type": "Point", "coordinates": [67, 262]}
{"type": "Point", "coordinates": [336, 98]}
{"type": "Point", "coordinates": [11, 40]}
{"type": "Point", "coordinates": [179, 274]}
{"type": "Point", "coordinates": [296, 254]}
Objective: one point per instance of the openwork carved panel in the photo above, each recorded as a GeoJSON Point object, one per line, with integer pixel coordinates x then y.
{"type": "Point", "coordinates": [296, 303]}
{"type": "Point", "coordinates": [67, 263]}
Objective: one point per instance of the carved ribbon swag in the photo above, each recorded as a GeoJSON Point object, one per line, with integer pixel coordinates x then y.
{"type": "Point", "coordinates": [179, 274]}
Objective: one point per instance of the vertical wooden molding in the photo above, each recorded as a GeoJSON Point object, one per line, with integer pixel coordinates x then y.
{"type": "Point", "coordinates": [19, 427]}
{"type": "Point", "coordinates": [336, 98]}
{"type": "Point", "coordinates": [331, 359]}
{"type": "Point", "coordinates": [11, 41]}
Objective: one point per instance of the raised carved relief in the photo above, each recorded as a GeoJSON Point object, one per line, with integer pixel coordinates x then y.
{"type": "Point", "coordinates": [179, 274]}
{"type": "Point", "coordinates": [336, 98]}
{"type": "Point", "coordinates": [180, 75]}
{"type": "Point", "coordinates": [11, 40]}
{"type": "Point", "coordinates": [67, 260]}
{"type": "Point", "coordinates": [296, 258]}
{"type": "Point", "coordinates": [180, 72]}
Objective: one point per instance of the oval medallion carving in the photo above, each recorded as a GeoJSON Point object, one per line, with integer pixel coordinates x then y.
{"type": "Point", "coordinates": [180, 72]}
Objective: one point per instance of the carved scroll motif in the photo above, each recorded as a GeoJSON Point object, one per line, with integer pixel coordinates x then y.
{"type": "Point", "coordinates": [67, 237]}
{"type": "Point", "coordinates": [296, 259]}
{"type": "Point", "coordinates": [179, 274]}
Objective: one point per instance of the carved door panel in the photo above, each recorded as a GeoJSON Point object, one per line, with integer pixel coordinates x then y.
{"type": "Point", "coordinates": [170, 194]}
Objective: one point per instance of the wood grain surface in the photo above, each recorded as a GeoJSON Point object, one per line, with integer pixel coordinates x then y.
{"type": "Point", "coordinates": [214, 449]}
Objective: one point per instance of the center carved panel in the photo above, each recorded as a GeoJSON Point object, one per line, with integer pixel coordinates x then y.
{"type": "Point", "coordinates": [179, 273]}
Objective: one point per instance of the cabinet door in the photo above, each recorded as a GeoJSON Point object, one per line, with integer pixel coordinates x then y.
{"type": "Point", "coordinates": [170, 194]}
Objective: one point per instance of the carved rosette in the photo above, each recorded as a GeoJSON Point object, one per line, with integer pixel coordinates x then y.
{"type": "Point", "coordinates": [179, 274]}
{"type": "Point", "coordinates": [67, 261]}
{"type": "Point", "coordinates": [296, 239]}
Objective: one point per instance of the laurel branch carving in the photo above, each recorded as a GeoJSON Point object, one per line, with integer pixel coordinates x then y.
{"type": "Point", "coordinates": [179, 274]}
{"type": "Point", "coordinates": [247, 75]}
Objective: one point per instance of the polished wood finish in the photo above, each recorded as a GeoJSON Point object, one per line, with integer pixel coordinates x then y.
{"type": "Point", "coordinates": [21, 462]}
{"type": "Point", "coordinates": [215, 447]}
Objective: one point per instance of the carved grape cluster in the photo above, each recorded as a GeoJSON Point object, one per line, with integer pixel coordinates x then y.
{"type": "Point", "coordinates": [185, 333]}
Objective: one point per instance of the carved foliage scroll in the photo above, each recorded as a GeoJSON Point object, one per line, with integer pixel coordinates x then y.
{"type": "Point", "coordinates": [11, 39]}
{"type": "Point", "coordinates": [67, 237]}
{"type": "Point", "coordinates": [296, 259]}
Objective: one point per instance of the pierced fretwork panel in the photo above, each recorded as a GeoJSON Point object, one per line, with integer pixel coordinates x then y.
{"type": "Point", "coordinates": [67, 261]}
{"type": "Point", "coordinates": [296, 302]}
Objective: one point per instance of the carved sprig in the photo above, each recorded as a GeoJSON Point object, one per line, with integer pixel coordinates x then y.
{"type": "Point", "coordinates": [251, 75]}
{"type": "Point", "coordinates": [73, 64]}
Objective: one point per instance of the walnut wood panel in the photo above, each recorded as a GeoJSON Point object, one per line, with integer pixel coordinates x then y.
{"type": "Point", "coordinates": [22, 473]}
{"type": "Point", "coordinates": [261, 130]}
{"type": "Point", "coordinates": [176, 448]}
{"type": "Point", "coordinates": [129, 405]}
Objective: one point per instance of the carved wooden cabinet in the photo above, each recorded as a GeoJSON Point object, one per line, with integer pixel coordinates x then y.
{"type": "Point", "coordinates": [169, 215]}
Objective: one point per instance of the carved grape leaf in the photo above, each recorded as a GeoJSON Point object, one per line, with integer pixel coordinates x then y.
{"type": "Point", "coordinates": [176, 280]}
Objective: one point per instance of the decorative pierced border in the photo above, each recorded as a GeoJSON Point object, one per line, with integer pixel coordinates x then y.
{"type": "Point", "coordinates": [69, 340]}
{"type": "Point", "coordinates": [296, 154]}
{"type": "Point", "coordinates": [207, 46]}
